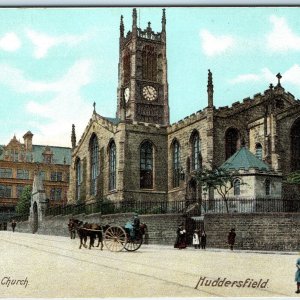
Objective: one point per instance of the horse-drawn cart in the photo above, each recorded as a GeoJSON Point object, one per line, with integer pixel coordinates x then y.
{"type": "Point", "coordinates": [117, 238]}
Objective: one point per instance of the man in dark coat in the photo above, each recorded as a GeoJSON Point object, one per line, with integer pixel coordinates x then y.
{"type": "Point", "coordinates": [231, 238]}
{"type": "Point", "coordinates": [13, 225]}
{"type": "Point", "coordinates": [203, 237]}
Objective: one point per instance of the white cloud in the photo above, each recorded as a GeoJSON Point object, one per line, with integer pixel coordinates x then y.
{"type": "Point", "coordinates": [290, 76]}
{"type": "Point", "coordinates": [80, 72]}
{"type": "Point", "coordinates": [245, 78]}
{"type": "Point", "coordinates": [67, 106]}
{"type": "Point", "coordinates": [44, 42]}
{"type": "Point", "coordinates": [214, 45]}
{"type": "Point", "coordinates": [10, 42]}
{"type": "Point", "coordinates": [282, 38]}
{"type": "Point", "coordinates": [264, 75]}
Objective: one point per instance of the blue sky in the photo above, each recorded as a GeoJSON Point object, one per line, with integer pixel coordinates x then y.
{"type": "Point", "coordinates": [56, 62]}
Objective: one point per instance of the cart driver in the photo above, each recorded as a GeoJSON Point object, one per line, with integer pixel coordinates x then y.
{"type": "Point", "coordinates": [136, 223]}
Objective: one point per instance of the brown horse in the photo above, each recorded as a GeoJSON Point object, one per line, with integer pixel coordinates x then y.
{"type": "Point", "coordinates": [93, 231]}
{"type": "Point", "coordinates": [72, 225]}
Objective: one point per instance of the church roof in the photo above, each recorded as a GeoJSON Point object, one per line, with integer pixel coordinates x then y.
{"type": "Point", "coordinates": [244, 160]}
{"type": "Point", "coordinates": [113, 120]}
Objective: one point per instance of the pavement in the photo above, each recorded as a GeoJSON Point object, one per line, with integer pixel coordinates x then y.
{"type": "Point", "coordinates": [43, 266]}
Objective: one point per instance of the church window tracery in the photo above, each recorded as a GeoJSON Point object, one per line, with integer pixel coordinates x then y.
{"type": "Point", "coordinates": [78, 178]}
{"type": "Point", "coordinates": [176, 164]}
{"type": "Point", "coordinates": [196, 155]}
{"type": "Point", "coordinates": [146, 165]}
{"type": "Point", "coordinates": [112, 166]}
{"type": "Point", "coordinates": [94, 154]}
{"type": "Point", "coordinates": [232, 138]}
{"type": "Point", "coordinates": [237, 187]}
{"type": "Point", "coordinates": [258, 151]}
{"type": "Point", "coordinates": [295, 146]}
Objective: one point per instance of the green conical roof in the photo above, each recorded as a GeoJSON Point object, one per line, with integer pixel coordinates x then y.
{"type": "Point", "coordinates": [244, 160]}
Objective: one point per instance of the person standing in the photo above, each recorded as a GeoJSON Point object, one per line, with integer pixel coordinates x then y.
{"type": "Point", "coordinates": [136, 224]}
{"type": "Point", "coordinates": [196, 240]}
{"type": "Point", "coordinates": [13, 225]}
{"type": "Point", "coordinates": [297, 276]}
{"type": "Point", "coordinates": [231, 238]}
{"type": "Point", "coordinates": [179, 228]}
{"type": "Point", "coordinates": [203, 239]}
{"type": "Point", "coordinates": [180, 242]}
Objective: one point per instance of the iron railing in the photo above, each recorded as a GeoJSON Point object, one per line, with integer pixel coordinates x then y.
{"type": "Point", "coordinates": [258, 205]}
{"type": "Point", "coordinates": [191, 208]}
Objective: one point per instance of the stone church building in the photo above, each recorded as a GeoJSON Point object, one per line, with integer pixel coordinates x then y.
{"type": "Point", "coordinates": [139, 155]}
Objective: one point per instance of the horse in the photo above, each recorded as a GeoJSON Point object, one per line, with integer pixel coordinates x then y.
{"type": "Point", "coordinates": [93, 231]}
{"type": "Point", "coordinates": [72, 225]}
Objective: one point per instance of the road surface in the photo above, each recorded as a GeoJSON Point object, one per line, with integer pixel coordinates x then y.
{"type": "Point", "coordinates": [53, 266]}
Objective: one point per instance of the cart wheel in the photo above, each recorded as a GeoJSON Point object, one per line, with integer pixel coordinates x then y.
{"type": "Point", "coordinates": [133, 245]}
{"type": "Point", "coordinates": [115, 238]}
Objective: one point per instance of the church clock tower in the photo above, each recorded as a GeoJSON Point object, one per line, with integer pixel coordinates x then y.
{"type": "Point", "coordinates": [143, 85]}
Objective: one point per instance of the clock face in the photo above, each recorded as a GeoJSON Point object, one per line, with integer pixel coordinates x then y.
{"type": "Point", "coordinates": [149, 93]}
{"type": "Point", "coordinates": [126, 94]}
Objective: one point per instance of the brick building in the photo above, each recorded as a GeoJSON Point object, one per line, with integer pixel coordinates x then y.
{"type": "Point", "coordinates": [139, 155]}
{"type": "Point", "coordinates": [20, 161]}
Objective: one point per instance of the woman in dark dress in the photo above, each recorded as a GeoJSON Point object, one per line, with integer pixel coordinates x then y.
{"type": "Point", "coordinates": [203, 237]}
{"type": "Point", "coordinates": [180, 242]}
{"type": "Point", "coordinates": [231, 238]}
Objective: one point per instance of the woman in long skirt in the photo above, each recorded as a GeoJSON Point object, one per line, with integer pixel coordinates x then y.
{"type": "Point", "coordinates": [297, 276]}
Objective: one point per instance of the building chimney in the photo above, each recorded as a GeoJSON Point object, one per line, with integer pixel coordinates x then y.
{"type": "Point", "coordinates": [28, 141]}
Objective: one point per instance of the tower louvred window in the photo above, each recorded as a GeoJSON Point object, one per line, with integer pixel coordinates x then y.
{"type": "Point", "coordinates": [127, 67]}
{"type": "Point", "coordinates": [149, 63]}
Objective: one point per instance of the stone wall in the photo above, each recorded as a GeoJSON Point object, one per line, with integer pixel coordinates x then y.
{"type": "Point", "coordinates": [136, 134]}
{"type": "Point", "coordinates": [260, 231]}
{"type": "Point", "coordinates": [263, 231]}
{"type": "Point", "coordinates": [161, 228]}
{"type": "Point", "coordinates": [106, 132]}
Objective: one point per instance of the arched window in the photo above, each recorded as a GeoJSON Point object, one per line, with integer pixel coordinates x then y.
{"type": "Point", "coordinates": [258, 151]}
{"type": "Point", "coordinates": [196, 155]}
{"type": "Point", "coordinates": [295, 146]}
{"type": "Point", "coordinates": [188, 165]}
{"type": "Point", "coordinates": [268, 187]}
{"type": "Point", "coordinates": [78, 178]}
{"type": "Point", "coordinates": [94, 152]}
{"type": "Point", "coordinates": [149, 60]}
{"type": "Point", "coordinates": [231, 142]}
{"type": "Point", "coordinates": [126, 66]}
{"type": "Point", "coordinates": [146, 165]}
{"type": "Point", "coordinates": [237, 187]}
{"type": "Point", "coordinates": [112, 166]}
{"type": "Point", "coordinates": [176, 164]}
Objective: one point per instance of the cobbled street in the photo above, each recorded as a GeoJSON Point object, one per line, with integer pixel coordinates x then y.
{"type": "Point", "coordinates": [53, 266]}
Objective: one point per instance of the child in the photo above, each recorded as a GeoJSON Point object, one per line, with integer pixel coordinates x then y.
{"type": "Point", "coordinates": [196, 241]}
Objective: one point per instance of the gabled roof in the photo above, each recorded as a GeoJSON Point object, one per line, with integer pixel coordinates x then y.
{"type": "Point", "coordinates": [113, 120]}
{"type": "Point", "coordinates": [61, 155]}
{"type": "Point", "coordinates": [244, 160]}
